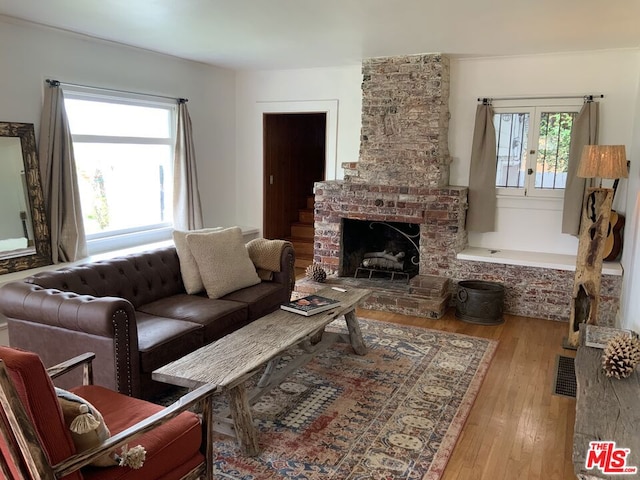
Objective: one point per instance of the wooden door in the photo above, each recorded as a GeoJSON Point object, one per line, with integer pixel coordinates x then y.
{"type": "Point", "coordinates": [294, 159]}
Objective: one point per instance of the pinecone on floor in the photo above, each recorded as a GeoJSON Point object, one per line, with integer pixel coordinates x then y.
{"type": "Point", "coordinates": [316, 273]}
{"type": "Point", "coordinates": [620, 356]}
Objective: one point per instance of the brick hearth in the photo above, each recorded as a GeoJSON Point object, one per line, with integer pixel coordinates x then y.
{"type": "Point", "coordinates": [423, 296]}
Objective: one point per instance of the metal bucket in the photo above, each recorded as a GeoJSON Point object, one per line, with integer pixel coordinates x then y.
{"type": "Point", "coordinates": [480, 302]}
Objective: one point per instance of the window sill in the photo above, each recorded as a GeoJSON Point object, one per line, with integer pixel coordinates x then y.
{"type": "Point", "coordinates": [248, 233]}
{"type": "Point", "coordinates": [554, 261]}
{"type": "Point", "coordinates": [529, 203]}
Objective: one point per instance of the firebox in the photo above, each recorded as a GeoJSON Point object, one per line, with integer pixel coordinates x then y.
{"type": "Point", "coordinates": [379, 249]}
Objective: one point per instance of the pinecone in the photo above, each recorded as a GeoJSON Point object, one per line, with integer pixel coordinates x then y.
{"type": "Point", "coordinates": [316, 273]}
{"type": "Point", "coordinates": [621, 355]}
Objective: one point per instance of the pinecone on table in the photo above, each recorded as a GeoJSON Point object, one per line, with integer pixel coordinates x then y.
{"type": "Point", "coordinates": [316, 273]}
{"type": "Point", "coordinates": [620, 356]}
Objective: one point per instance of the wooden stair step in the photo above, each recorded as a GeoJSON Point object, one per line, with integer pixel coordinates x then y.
{"type": "Point", "coordinates": [311, 201]}
{"type": "Point", "coordinates": [305, 215]}
{"type": "Point", "coordinates": [303, 261]}
{"type": "Point", "coordinates": [302, 246]}
{"type": "Point", "coordinates": [302, 230]}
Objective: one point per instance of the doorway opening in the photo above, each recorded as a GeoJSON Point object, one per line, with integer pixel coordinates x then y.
{"type": "Point", "coordinates": [294, 159]}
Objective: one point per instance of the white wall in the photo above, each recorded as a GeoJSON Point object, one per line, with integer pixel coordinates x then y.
{"type": "Point", "coordinates": [29, 54]}
{"type": "Point", "coordinates": [630, 305]}
{"type": "Point", "coordinates": [612, 73]}
{"type": "Point", "coordinates": [290, 90]}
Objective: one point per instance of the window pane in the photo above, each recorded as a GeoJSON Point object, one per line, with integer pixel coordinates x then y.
{"type": "Point", "coordinates": [512, 130]}
{"type": "Point", "coordinates": [553, 149]}
{"type": "Point", "coordinates": [117, 120]}
{"type": "Point", "coordinates": [123, 186]}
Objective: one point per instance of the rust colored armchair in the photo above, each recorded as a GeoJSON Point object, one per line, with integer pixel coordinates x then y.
{"type": "Point", "coordinates": [36, 444]}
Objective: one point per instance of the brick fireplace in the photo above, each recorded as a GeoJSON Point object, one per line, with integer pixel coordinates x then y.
{"type": "Point", "coordinates": [403, 176]}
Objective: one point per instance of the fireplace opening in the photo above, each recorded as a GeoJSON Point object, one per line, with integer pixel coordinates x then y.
{"type": "Point", "coordinates": [379, 249]}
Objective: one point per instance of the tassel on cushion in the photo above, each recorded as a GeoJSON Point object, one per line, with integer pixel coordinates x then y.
{"type": "Point", "coordinates": [133, 458]}
{"type": "Point", "coordinates": [85, 422]}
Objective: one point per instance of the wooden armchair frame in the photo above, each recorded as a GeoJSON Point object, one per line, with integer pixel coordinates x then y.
{"type": "Point", "coordinates": [28, 454]}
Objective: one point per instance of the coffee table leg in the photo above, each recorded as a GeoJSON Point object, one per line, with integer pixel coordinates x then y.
{"type": "Point", "coordinates": [246, 432]}
{"type": "Point", "coordinates": [265, 379]}
{"type": "Point", "coordinates": [355, 335]}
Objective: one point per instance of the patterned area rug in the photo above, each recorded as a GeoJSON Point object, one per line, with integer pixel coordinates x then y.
{"type": "Point", "coordinates": [395, 413]}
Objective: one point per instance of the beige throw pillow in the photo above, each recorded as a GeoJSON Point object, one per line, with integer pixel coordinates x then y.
{"type": "Point", "coordinates": [188, 266]}
{"type": "Point", "coordinates": [87, 426]}
{"type": "Point", "coordinates": [223, 261]}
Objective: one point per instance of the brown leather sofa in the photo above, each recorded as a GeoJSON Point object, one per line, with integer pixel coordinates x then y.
{"type": "Point", "coordinates": [133, 312]}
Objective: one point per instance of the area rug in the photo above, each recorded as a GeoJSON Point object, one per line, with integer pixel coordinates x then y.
{"type": "Point", "coordinates": [394, 413]}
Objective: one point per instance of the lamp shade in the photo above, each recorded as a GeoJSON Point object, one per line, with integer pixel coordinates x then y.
{"type": "Point", "coordinates": [603, 161]}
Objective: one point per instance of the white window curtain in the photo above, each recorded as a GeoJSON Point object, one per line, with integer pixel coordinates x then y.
{"type": "Point", "coordinates": [481, 214]}
{"type": "Point", "coordinates": [187, 211]}
{"type": "Point", "coordinates": [584, 132]}
{"type": "Point", "coordinates": [59, 180]}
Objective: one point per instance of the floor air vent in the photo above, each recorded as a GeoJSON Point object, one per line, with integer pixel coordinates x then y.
{"type": "Point", "coordinates": [565, 384]}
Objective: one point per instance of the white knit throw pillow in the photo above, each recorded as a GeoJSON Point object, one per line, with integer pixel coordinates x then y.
{"type": "Point", "coordinates": [223, 261]}
{"type": "Point", "coordinates": [188, 266]}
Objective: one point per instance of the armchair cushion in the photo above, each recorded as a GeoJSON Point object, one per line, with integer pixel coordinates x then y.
{"type": "Point", "coordinates": [177, 442]}
{"type": "Point", "coordinates": [223, 261]}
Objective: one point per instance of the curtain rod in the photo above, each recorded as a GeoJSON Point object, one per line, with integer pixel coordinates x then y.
{"type": "Point", "coordinates": [56, 83]}
{"type": "Point", "coordinates": [586, 98]}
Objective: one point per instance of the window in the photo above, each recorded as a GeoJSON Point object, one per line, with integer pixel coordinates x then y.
{"type": "Point", "coordinates": [533, 148]}
{"type": "Point", "coordinates": [124, 158]}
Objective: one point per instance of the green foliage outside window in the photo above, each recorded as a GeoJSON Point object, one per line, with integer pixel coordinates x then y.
{"type": "Point", "coordinates": [554, 141]}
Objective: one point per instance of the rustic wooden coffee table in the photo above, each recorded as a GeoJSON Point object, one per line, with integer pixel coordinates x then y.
{"type": "Point", "coordinates": [231, 360]}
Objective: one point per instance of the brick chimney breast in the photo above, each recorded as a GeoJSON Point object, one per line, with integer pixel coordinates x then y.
{"type": "Point", "coordinates": [405, 120]}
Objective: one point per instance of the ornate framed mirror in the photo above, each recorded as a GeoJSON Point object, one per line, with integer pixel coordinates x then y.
{"type": "Point", "coordinates": [24, 232]}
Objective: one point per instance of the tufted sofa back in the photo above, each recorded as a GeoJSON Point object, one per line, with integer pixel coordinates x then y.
{"type": "Point", "coordinates": [139, 278]}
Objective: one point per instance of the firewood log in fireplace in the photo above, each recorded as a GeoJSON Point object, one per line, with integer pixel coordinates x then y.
{"type": "Point", "coordinates": [384, 260]}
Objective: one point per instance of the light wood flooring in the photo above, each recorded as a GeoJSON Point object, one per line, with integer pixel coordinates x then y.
{"type": "Point", "coordinates": [517, 428]}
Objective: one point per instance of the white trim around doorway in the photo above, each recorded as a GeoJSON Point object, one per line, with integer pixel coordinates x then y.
{"type": "Point", "coordinates": [329, 107]}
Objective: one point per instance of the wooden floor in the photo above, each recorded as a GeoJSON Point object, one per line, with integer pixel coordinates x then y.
{"type": "Point", "coordinates": [517, 429]}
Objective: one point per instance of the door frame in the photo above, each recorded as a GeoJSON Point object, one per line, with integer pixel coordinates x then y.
{"type": "Point", "coordinates": [329, 107]}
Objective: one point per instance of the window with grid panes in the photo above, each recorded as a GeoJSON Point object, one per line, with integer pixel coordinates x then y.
{"type": "Point", "coordinates": [533, 148]}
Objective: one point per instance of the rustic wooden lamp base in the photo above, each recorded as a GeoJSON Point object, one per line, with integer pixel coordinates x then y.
{"type": "Point", "coordinates": [586, 288]}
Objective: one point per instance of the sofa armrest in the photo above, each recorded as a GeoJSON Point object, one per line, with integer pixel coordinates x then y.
{"type": "Point", "coordinates": [83, 313]}
{"type": "Point", "coordinates": [57, 325]}
{"type": "Point", "coordinates": [287, 273]}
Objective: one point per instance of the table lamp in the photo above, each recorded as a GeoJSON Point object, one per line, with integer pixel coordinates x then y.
{"type": "Point", "coordinates": [603, 161]}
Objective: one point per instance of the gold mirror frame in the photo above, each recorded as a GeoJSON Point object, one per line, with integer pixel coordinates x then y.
{"type": "Point", "coordinates": [42, 255]}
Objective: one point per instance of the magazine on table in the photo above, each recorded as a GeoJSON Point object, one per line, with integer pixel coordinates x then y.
{"type": "Point", "coordinates": [310, 305]}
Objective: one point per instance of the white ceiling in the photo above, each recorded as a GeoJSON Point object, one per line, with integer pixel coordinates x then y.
{"type": "Point", "coordinates": [267, 34]}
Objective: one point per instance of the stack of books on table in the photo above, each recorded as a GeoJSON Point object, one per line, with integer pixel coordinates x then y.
{"type": "Point", "coordinates": [310, 305]}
